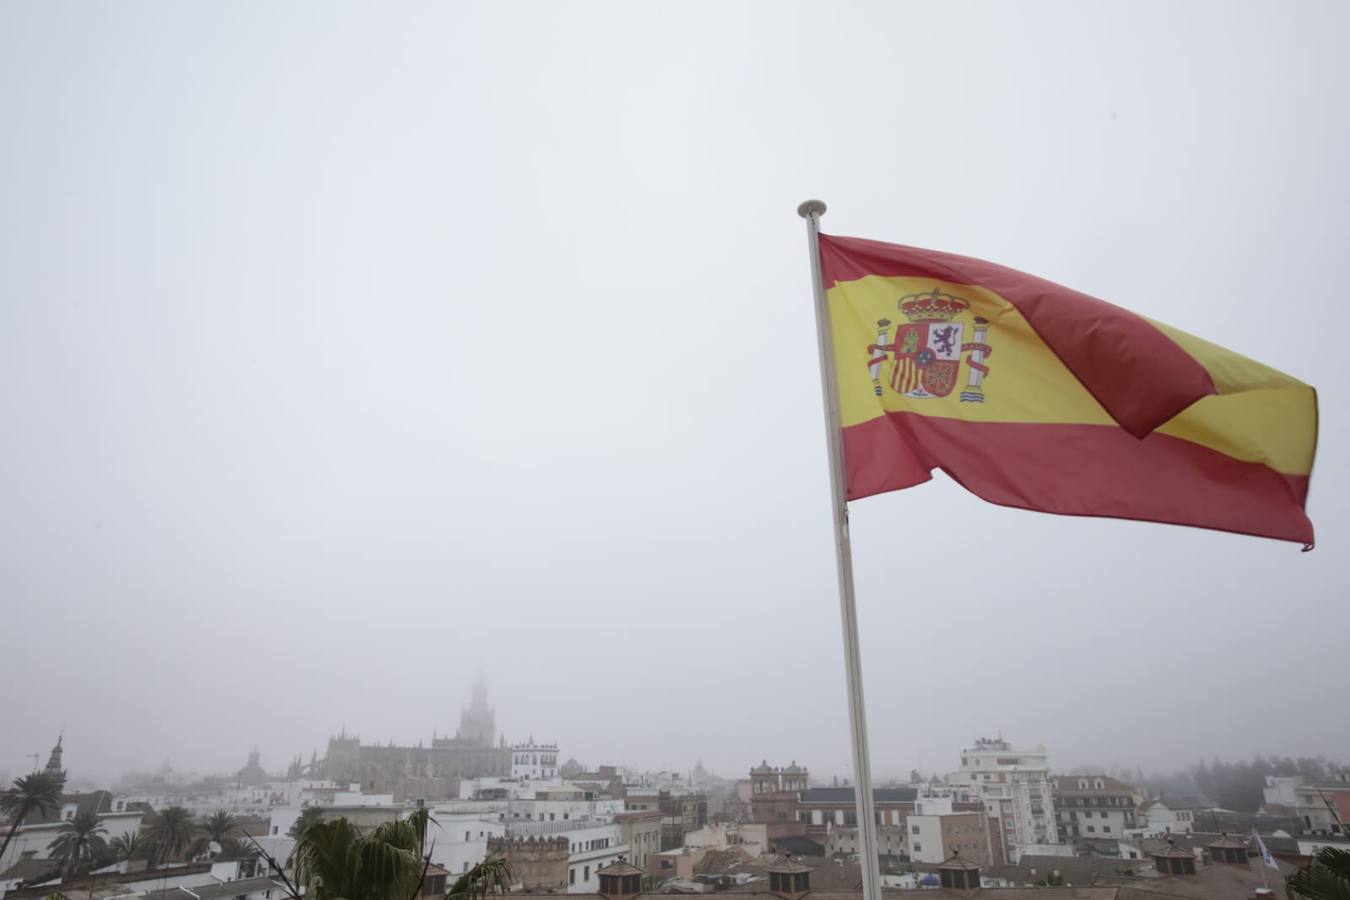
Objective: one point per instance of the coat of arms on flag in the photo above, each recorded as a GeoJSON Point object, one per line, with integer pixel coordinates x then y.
{"type": "Point", "coordinates": [925, 352]}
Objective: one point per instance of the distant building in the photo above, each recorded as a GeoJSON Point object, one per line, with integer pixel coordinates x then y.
{"type": "Point", "coordinates": [823, 807]}
{"type": "Point", "coordinates": [936, 832]}
{"type": "Point", "coordinates": [680, 813]}
{"type": "Point", "coordinates": [774, 794]}
{"type": "Point", "coordinates": [252, 773]}
{"type": "Point", "coordinates": [423, 772]}
{"type": "Point", "coordinates": [640, 832]}
{"type": "Point", "coordinates": [1320, 804]}
{"type": "Point", "coordinates": [1016, 789]}
{"type": "Point", "coordinates": [1173, 813]}
{"type": "Point", "coordinates": [534, 761]}
{"type": "Point", "coordinates": [1092, 806]}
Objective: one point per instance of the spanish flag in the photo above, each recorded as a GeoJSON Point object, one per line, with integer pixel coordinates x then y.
{"type": "Point", "coordinates": [1035, 396]}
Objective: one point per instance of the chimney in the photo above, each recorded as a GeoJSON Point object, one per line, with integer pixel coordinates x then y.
{"type": "Point", "coordinates": [790, 880]}
{"type": "Point", "coordinates": [620, 880]}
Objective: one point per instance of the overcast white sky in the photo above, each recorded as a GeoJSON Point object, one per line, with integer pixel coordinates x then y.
{"type": "Point", "coordinates": [346, 349]}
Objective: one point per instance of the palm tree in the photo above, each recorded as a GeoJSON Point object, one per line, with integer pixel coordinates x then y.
{"type": "Point", "coordinates": [335, 860]}
{"type": "Point", "coordinates": [132, 845]}
{"type": "Point", "coordinates": [218, 827]}
{"type": "Point", "coordinates": [491, 876]}
{"type": "Point", "coordinates": [37, 793]}
{"type": "Point", "coordinates": [1327, 877]}
{"type": "Point", "coordinates": [242, 850]}
{"type": "Point", "coordinates": [308, 816]}
{"type": "Point", "coordinates": [79, 841]}
{"type": "Point", "coordinates": [172, 832]}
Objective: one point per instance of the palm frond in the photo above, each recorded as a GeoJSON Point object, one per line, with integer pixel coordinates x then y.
{"type": "Point", "coordinates": [1327, 877]}
{"type": "Point", "coordinates": [490, 876]}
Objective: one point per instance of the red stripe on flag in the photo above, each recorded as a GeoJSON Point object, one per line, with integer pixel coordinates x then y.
{"type": "Point", "coordinates": [1079, 470]}
{"type": "Point", "coordinates": [1138, 374]}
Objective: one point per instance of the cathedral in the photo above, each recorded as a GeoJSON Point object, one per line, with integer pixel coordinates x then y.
{"type": "Point", "coordinates": [430, 773]}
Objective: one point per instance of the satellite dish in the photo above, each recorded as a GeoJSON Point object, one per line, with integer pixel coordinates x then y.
{"type": "Point", "coordinates": [214, 848]}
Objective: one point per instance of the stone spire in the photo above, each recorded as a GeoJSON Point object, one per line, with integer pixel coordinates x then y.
{"type": "Point", "coordinates": [54, 761]}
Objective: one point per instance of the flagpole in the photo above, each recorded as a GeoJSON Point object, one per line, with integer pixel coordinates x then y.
{"type": "Point", "coordinates": [811, 211]}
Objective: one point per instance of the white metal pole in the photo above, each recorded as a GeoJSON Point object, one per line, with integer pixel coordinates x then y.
{"type": "Point", "coordinates": [811, 211]}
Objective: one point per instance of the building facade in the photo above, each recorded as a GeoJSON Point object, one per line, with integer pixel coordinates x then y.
{"type": "Point", "coordinates": [423, 772]}
{"type": "Point", "coordinates": [534, 761]}
{"type": "Point", "coordinates": [1172, 813]}
{"type": "Point", "coordinates": [1016, 789]}
{"type": "Point", "coordinates": [1092, 807]}
{"type": "Point", "coordinates": [641, 833]}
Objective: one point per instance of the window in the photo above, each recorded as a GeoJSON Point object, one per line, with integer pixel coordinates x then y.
{"type": "Point", "coordinates": [1106, 829]}
{"type": "Point", "coordinates": [466, 837]}
{"type": "Point", "coordinates": [918, 848]}
{"type": "Point", "coordinates": [571, 876]}
{"type": "Point", "coordinates": [914, 829]}
{"type": "Point", "coordinates": [1092, 828]}
{"type": "Point", "coordinates": [586, 873]}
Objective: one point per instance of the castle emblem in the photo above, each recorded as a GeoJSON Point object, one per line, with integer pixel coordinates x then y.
{"type": "Point", "coordinates": [925, 353]}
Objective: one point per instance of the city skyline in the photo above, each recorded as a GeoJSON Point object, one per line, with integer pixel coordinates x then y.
{"type": "Point", "coordinates": [345, 352]}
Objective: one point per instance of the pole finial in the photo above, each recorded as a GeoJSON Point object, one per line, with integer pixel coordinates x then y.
{"type": "Point", "coordinates": [810, 208]}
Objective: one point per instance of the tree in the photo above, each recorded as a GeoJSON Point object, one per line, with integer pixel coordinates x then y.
{"type": "Point", "coordinates": [220, 826]}
{"type": "Point", "coordinates": [336, 861]}
{"type": "Point", "coordinates": [242, 850]}
{"type": "Point", "coordinates": [310, 815]}
{"type": "Point", "coordinates": [1327, 877]}
{"type": "Point", "coordinates": [491, 876]}
{"type": "Point", "coordinates": [132, 845]}
{"type": "Point", "coordinates": [79, 842]}
{"type": "Point", "coordinates": [172, 833]}
{"type": "Point", "coordinates": [37, 793]}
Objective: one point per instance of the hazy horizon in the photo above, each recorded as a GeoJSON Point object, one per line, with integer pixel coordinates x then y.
{"type": "Point", "coordinates": [347, 350]}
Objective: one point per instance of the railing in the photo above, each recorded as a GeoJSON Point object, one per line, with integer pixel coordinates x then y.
{"type": "Point", "coordinates": [531, 828]}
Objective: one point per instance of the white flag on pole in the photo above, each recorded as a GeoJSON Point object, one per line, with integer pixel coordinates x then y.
{"type": "Point", "coordinates": [1265, 853]}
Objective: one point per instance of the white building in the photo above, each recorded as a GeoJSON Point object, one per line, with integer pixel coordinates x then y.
{"type": "Point", "coordinates": [459, 834]}
{"type": "Point", "coordinates": [1281, 791]}
{"type": "Point", "coordinates": [1093, 807]}
{"type": "Point", "coordinates": [1016, 789]}
{"type": "Point", "coordinates": [533, 761]}
{"type": "Point", "coordinates": [1172, 814]}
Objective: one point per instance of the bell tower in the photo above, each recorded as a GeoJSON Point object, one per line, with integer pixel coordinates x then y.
{"type": "Point", "coordinates": [54, 761]}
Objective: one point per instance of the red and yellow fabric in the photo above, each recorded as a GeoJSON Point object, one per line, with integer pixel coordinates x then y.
{"type": "Point", "coordinates": [1035, 396]}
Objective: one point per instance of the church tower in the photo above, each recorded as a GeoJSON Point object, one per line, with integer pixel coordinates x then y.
{"type": "Point", "coordinates": [478, 721]}
{"type": "Point", "coordinates": [54, 761]}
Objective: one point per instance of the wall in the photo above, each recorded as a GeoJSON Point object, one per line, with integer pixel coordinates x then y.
{"type": "Point", "coordinates": [459, 840]}
{"type": "Point", "coordinates": [537, 864]}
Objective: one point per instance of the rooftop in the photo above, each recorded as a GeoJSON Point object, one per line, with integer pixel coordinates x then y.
{"type": "Point", "coordinates": [1069, 784]}
{"type": "Point", "coordinates": [846, 795]}
{"type": "Point", "coordinates": [1181, 801]}
{"type": "Point", "coordinates": [233, 888]}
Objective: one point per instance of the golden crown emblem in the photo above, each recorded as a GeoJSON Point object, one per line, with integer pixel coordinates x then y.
{"type": "Point", "coordinates": [932, 306]}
